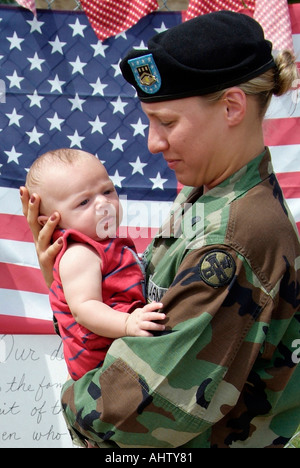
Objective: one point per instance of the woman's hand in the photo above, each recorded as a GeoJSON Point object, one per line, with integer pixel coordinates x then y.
{"type": "Point", "coordinates": [42, 235]}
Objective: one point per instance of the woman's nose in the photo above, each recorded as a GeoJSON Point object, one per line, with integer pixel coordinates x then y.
{"type": "Point", "coordinates": [157, 143]}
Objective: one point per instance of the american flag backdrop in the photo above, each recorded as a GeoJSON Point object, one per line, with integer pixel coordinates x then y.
{"type": "Point", "coordinates": [61, 87]}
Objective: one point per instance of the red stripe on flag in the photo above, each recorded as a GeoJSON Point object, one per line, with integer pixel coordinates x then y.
{"type": "Point", "coordinates": [282, 131]}
{"type": "Point", "coordinates": [179, 187]}
{"type": "Point", "coordinates": [22, 278]}
{"type": "Point", "coordinates": [14, 227]}
{"type": "Point", "coordinates": [141, 244]}
{"type": "Point", "coordinates": [290, 184]}
{"type": "Point", "coordinates": [10, 325]}
{"type": "Point", "coordinates": [141, 236]}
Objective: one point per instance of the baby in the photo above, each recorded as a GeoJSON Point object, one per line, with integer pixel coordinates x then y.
{"type": "Point", "coordinates": [98, 289]}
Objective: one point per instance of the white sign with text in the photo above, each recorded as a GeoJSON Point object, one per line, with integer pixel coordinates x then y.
{"type": "Point", "coordinates": [32, 371]}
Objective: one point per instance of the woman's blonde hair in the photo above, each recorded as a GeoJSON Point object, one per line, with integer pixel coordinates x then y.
{"type": "Point", "coordinates": [276, 81]}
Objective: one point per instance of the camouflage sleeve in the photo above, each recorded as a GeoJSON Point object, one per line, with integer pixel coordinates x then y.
{"type": "Point", "coordinates": [166, 390]}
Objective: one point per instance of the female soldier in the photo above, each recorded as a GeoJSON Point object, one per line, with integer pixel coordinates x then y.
{"type": "Point", "coordinates": [225, 265]}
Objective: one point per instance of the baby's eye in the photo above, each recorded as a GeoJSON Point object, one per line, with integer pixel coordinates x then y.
{"type": "Point", "coordinates": [84, 202]}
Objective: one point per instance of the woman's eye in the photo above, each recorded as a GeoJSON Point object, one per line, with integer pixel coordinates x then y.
{"type": "Point", "coordinates": [166, 124]}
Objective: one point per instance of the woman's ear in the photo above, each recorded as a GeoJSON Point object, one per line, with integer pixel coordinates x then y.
{"type": "Point", "coordinates": [235, 105]}
{"type": "Point", "coordinates": [42, 219]}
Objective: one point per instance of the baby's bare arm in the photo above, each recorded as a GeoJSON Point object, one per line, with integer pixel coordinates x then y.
{"type": "Point", "coordinates": [80, 271]}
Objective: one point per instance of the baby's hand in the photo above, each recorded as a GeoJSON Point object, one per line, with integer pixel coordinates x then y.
{"type": "Point", "coordinates": [141, 320]}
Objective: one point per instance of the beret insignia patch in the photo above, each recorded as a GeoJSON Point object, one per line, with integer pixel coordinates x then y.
{"type": "Point", "coordinates": [146, 73]}
{"type": "Point", "coordinates": [217, 268]}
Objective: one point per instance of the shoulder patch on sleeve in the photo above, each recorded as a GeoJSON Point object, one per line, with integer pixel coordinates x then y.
{"type": "Point", "coordinates": [217, 268]}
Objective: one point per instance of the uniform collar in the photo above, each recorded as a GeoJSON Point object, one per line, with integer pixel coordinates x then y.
{"type": "Point", "coordinates": [191, 202]}
{"type": "Point", "coordinates": [257, 170]}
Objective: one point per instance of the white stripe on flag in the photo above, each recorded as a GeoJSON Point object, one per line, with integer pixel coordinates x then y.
{"type": "Point", "coordinates": [285, 158]}
{"type": "Point", "coordinates": [146, 213]}
{"type": "Point", "coordinates": [10, 201]}
{"type": "Point", "coordinates": [18, 253]}
{"type": "Point", "coordinates": [285, 106]}
{"type": "Point", "coordinates": [296, 43]}
{"type": "Point", "coordinates": [25, 304]}
{"type": "Point", "coordinates": [294, 206]}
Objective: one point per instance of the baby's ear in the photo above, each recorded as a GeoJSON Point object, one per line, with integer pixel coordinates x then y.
{"type": "Point", "coordinates": [42, 219]}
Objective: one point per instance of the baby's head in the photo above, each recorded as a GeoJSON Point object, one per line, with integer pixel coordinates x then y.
{"type": "Point", "coordinates": [76, 184]}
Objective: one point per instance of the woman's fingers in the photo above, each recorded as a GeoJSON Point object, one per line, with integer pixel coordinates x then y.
{"type": "Point", "coordinates": [47, 260]}
{"type": "Point", "coordinates": [24, 195]}
{"type": "Point", "coordinates": [46, 232]}
{"type": "Point", "coordinates": [46, 250]}
{"type": "Point", "coordinates": [42, 235]}
{"type": "Point", "coordinates": [30, 206]}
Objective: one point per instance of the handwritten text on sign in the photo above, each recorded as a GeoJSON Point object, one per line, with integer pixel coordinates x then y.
{"type": "Point", "coordinates": [32, 371]}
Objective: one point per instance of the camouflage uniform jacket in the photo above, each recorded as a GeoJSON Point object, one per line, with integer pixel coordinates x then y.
{"type": "Point", "coordinates": [224, 374]}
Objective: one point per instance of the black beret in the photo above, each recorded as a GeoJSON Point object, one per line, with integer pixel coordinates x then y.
{"type": "Point", "coordinates": [200, 56]}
